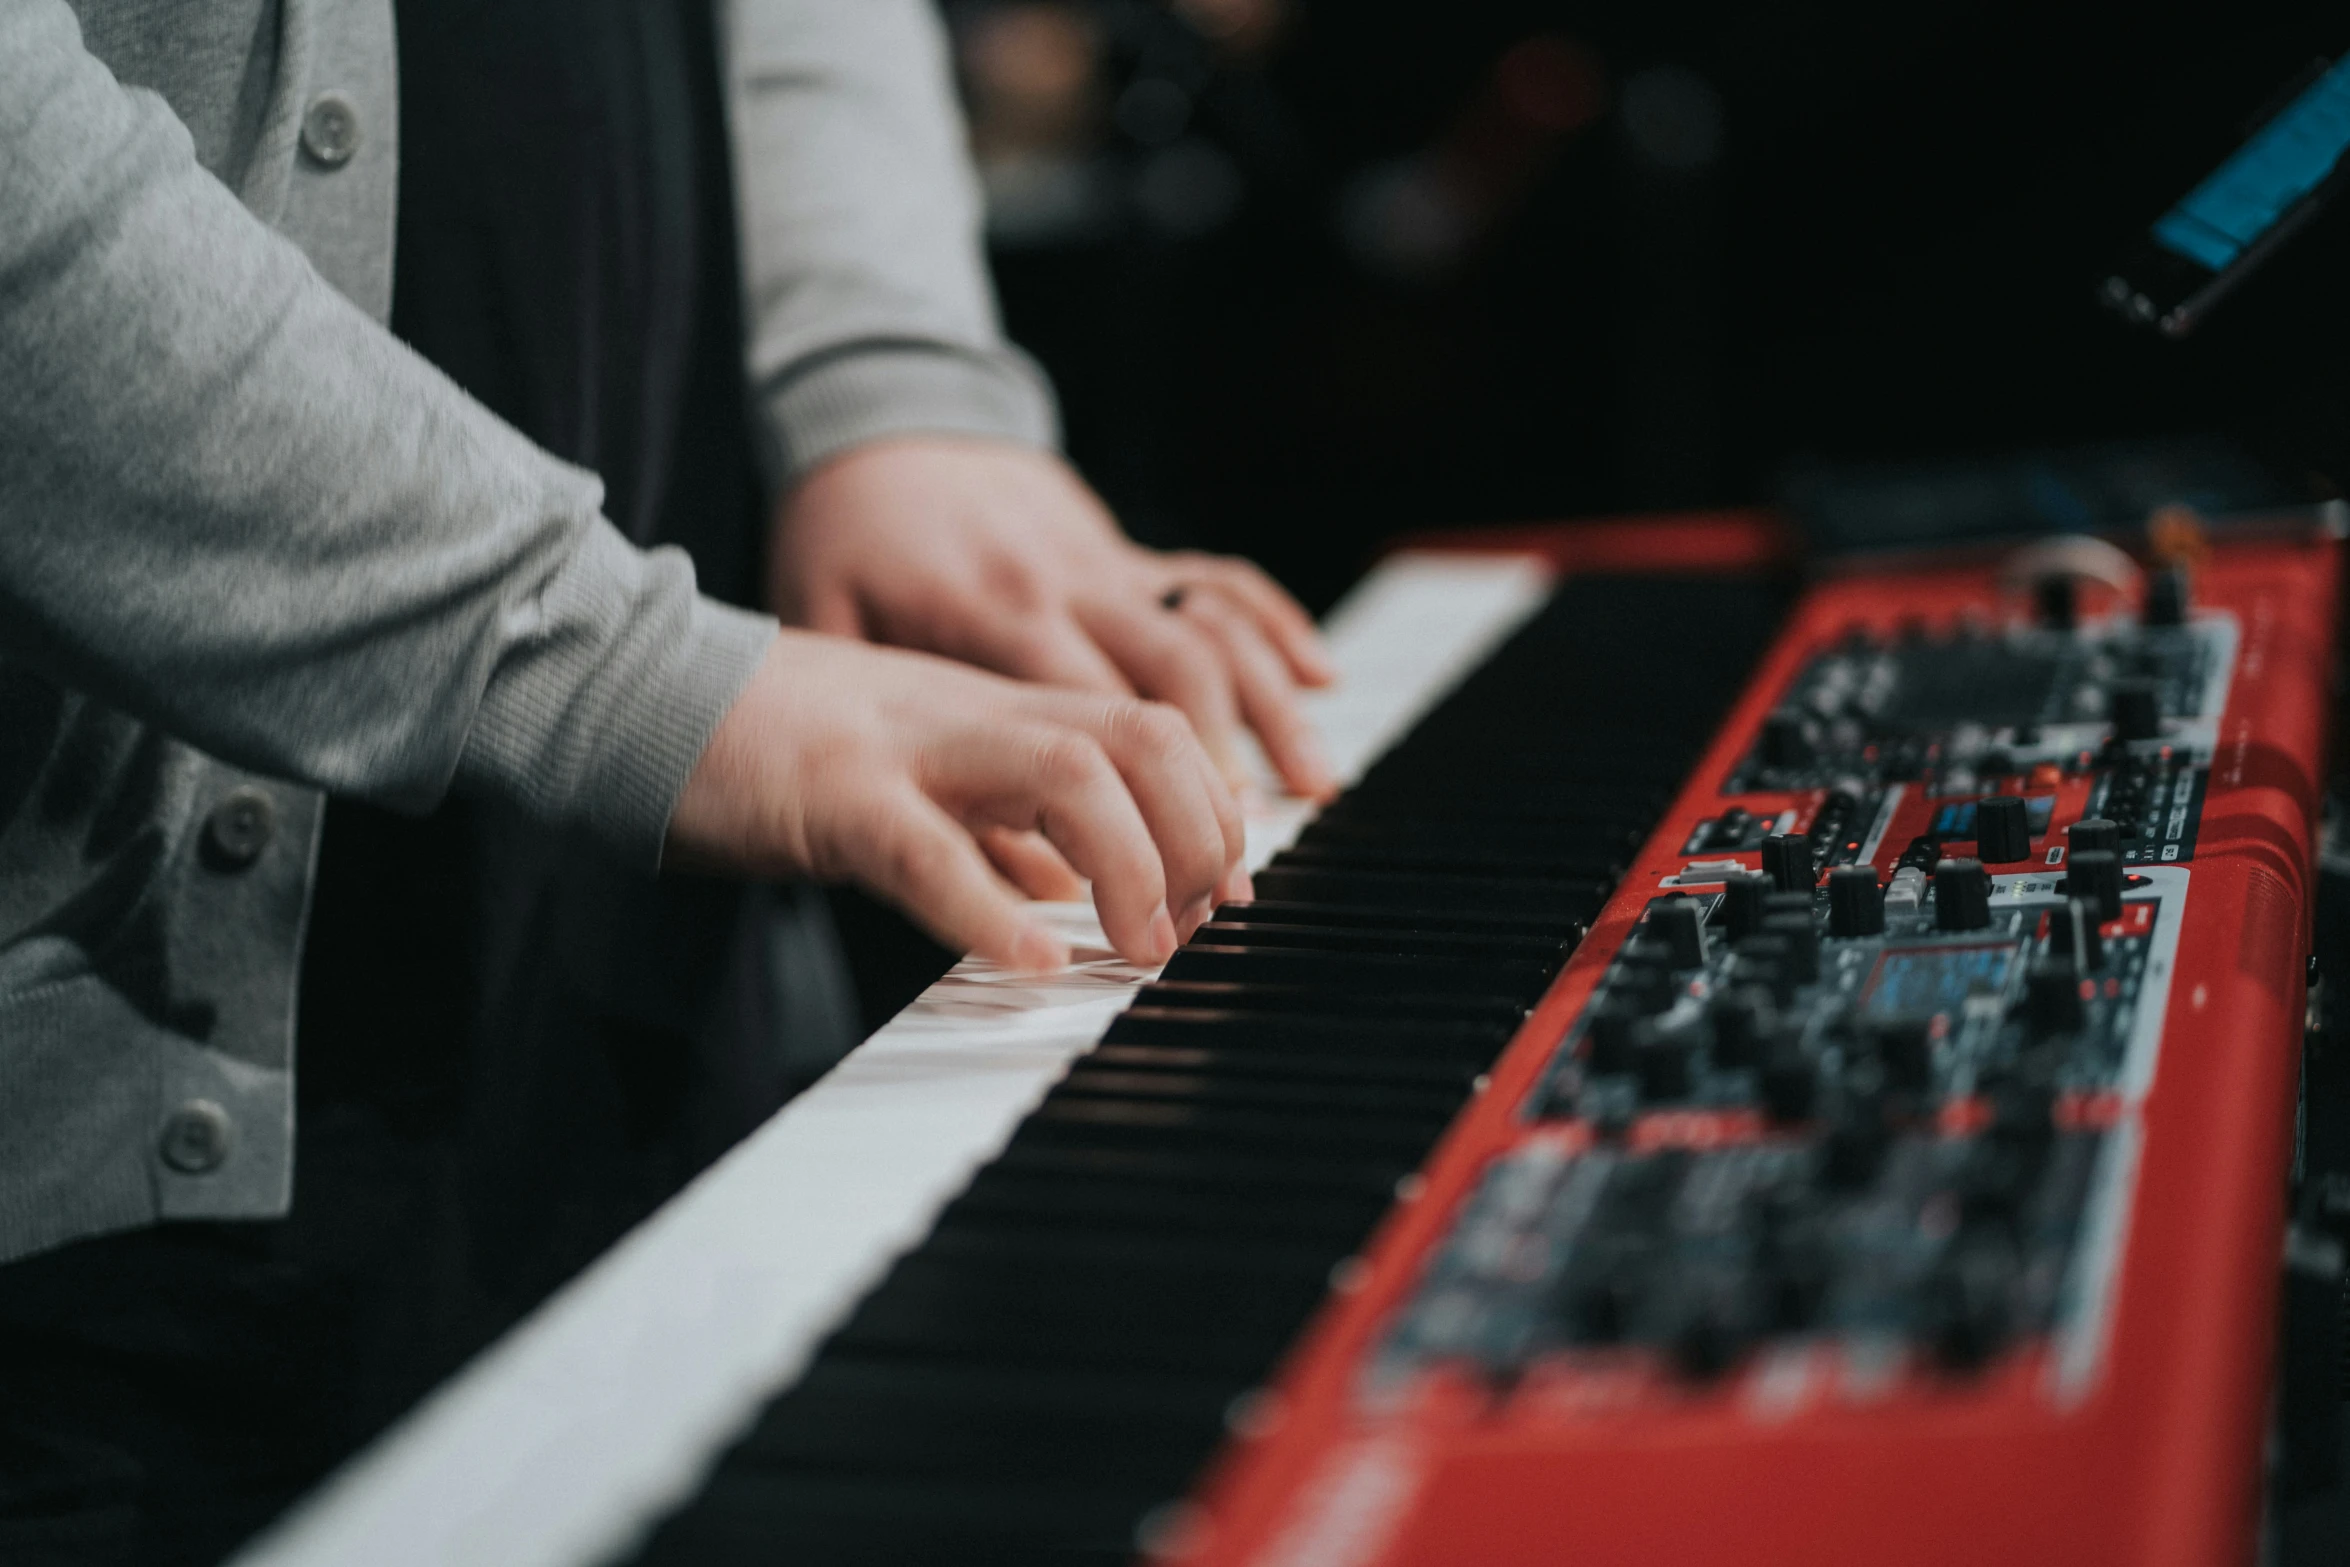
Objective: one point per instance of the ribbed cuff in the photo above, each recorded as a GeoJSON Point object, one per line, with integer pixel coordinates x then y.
{"type": "Point", "coordinates": [877, 390]}
{"type": "Point", "coordinates": [596, 719]}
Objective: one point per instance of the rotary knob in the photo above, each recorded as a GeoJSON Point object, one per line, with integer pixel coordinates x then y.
{"type": "Point", "coordinates": [1962, 895]}
{"type": "Point", "coordinates": [2052, 999]}
{"type": "Point", "coordinates": [2094, 833]}
{"type": "Point", "coordinates": [1741, 1023]}
{"type": "Point", "coordinates": [1786, 860]}
{"type": "Point", "coordinates": [1904, 1047]}
{"type": "Point", "coordinates": [2135, 705]}
{"type": "Point", "coordinates": [1803, 944]}
{"type": "Point", "coordinates": [1856, 902]}
{"type": "Point", "coordinates": [2003, 830]}
{"type": "Point", "coordinates": [1786, 740]}
{"type": "Point", "coordinates": [2096, 875]}
{"type": "Point", "coordinates": [1680, 926]}
{"type": "Point", "coordinates": [1742, 903]}
{"type": "Point", "coordinates": [2058, 602]}
{"type": "Point", "coordinates": [2167, 597]}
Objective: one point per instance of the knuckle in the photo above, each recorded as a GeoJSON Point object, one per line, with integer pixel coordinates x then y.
{"type": "Point", "coordinates": [916, 859]}
{"type": "Point", "coordinates": [1067, 760]}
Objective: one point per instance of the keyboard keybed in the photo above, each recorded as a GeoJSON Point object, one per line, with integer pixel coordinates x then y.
{"type": "Point", "coordinates": [1056, 1361]}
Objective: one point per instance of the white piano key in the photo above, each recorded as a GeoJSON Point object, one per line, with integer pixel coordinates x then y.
{"type": "Point", "coordinates": [566, 1439]}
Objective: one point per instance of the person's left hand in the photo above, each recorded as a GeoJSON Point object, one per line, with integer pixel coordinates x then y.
{"type": "Point", "coordinates": [1000, 555]}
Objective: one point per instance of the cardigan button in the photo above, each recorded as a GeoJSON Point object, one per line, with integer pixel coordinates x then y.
{"type": "Point", "coordinates": [330, 129]}
{"type": "Point", "coordinates": [238, 829]}
{"type": "Point", "coordinates": [196, 1137]}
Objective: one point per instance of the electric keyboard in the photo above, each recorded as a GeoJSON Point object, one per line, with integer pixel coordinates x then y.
{"type": "Point", "coordinates": [1845, 1121]}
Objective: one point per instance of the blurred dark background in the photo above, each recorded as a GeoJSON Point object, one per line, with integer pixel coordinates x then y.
{"type": "Point", "coordinates": [1311, 273]}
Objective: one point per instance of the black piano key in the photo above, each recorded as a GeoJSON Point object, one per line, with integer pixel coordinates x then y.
{"type": "Point", "coordinates": [748, 1517]}
{"type": "Point", "coordinates": [1289, 1066]}
{"type": "Point", "coordinates": [1012, 1198]}
{"type": "Point", "coordinates": [1371, 974]}
{"type": "Point", "coordinates": [1548, 951]}
{"type": "Point", "coordinates": [1313, 1172]}
{"type": "Point", "coordinates": [1275, 1033]}
{"type": "Point", "coordinates": [1074, 1118]}
{"type": "Point", "coordinates": [1568, 900]}
{"type": "Point", "coordinates": [982, 1423]}
{"type": "Point", "coordinates": [1331, 916]}
{"type": "Point", "coordinates": [1092, 1079]}
{"type": "Point", "coordinates": [1320, 1002]}
{"type": "Point", "coordinates": [1478, 840]}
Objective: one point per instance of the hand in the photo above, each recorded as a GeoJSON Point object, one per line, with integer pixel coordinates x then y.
{"type": "Point", "coordinates": [907, 774]}
{"type": "Point", "coordinates": [1000, 556]}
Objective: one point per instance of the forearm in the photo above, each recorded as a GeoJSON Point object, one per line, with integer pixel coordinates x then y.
{"type": "Point", "coordinates": [232, 504]}
{"type": "Point", "coordinates": [870, 312]}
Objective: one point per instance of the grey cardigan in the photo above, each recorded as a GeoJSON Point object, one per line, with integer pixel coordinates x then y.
{"type": "Point", "coordinates": [252, 548]}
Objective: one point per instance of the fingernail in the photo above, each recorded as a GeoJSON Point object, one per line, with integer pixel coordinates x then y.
{"type": "Point", "coordinates": [1163, 941]}
{"type": "Point", "coordinates": [1039, 951]}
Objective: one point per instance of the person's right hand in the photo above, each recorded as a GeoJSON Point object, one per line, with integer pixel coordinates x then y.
{"type": "Point", "coordinates": [917, 777]}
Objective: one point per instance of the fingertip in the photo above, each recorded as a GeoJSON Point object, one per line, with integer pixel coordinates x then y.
{"type": "Point", "coordinates": [1237, 886]}
{"type": "Point", "coordinates": [1035, 950]}
{"type": "Point", "coordinates": [1163, 940]}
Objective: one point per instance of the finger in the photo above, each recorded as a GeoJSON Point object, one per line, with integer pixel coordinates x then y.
{"type": "Point", "coordinates": [1193, 815]}
{"type": "Point", "coordinates": [1031, 864]}
{"type": "Point", "coordinates": [920, 859]}
{"type": "Point", "coordinates": [1283, 620]}
{"type": "Point", "coordinates": [1058, 779]}
{"type": "Point", "coordinates": [834, 612]}
{"type": "Point", "coordinates": [1050, 649]}
{"type": "Point", "coordinates": [1268, 700]}
{"type": "Point", "coordinates": [1170, 660]}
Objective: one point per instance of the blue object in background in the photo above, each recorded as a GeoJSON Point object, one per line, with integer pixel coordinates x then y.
{"type": "Point", "coordinates": [2284, 161]}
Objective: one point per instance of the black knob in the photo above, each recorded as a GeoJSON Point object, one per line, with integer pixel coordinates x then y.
{"type": "Point", "coordinates": [2095, 874]}
{"type": "Point", "coordinates": [1645, 946]}
{"type": "Point", "coordinates": [1904, 1048]}
{"type": "Point", "coordinates": [1856, 1144]}
{"type": "Point", "coordinates": [2073, 933]}
{"type": "Point", "coordinates": [1803, 944]}
{"type": "Point", "coordinates": [2167, 597]}
{"type": "Point", "coordinates": [1964, 1303]}
{"type": "Point", "coordinates": [1643, 987]}
{"type": "Point", "coordinates": [2057, 601]}
{"type": "Point", "coordinates": [1742, 1023]}
{"type": "Point", "coordinates": [1680, 925]}
{"type": "Point", "coordinates": [1707, 1334]}
{"type": "Point", "coordinates": [1742, 903]}
{"type": "Point", "coordinates": [2093, 833]}
{"type": "Point", "coordinates": [1608, 1030]}
{"type": "Point", "coordinates": [2052, 999]}
{"type": "Point", "coordinates": [2023, 1115]}
{"type": "Point", "coordinates": [1856, 902]}
{"type": "Point", "coordinates": [2003, 830]}
{"type": "Point", "coordinates": [1661, 1057]}
{"type": "Point", "coordinates": [1962, 895]}
{"type": "Point", "coordinates": [1789, 1081]}
{"type": "Point", "coordinates": [1786, 860]}
{"type": "Point", "coordinates": [2135, 705]}
{"type": "Point", "coordinates": [1763, 960]}
{"type": "Point", "coordinates": [1786, 740]}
